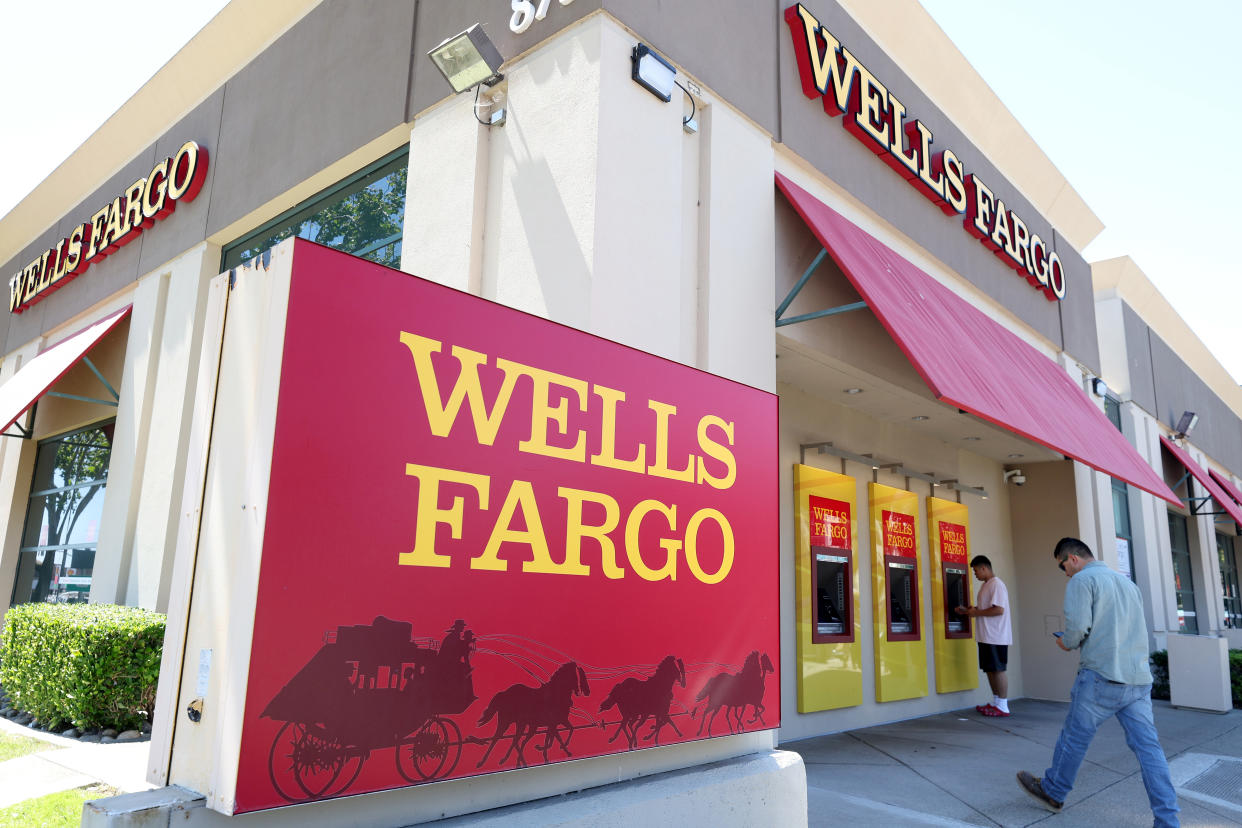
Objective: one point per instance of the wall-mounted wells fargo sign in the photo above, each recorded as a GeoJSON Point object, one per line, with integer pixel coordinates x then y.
{"type": "Point", "coordinates": [830, 523]}
{"type": "Point", "coordinates": [493, 541]}
{"type": "Point", "coordinates": [874, 115]}
{"type": "Point", "coordinates": [149, 199]}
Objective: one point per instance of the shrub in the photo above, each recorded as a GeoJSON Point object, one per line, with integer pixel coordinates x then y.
{"type": "Point", "coordinates": [92, 665]}
{"type": "Point", "coordinates": [1235, 676]}
{"type": "Point", "coordinates": [1160, 675]}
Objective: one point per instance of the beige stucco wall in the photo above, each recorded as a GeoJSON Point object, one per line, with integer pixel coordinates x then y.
{"type": "Point", "coordinates": [593, 208]}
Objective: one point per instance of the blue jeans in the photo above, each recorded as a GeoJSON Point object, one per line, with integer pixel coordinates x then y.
{"type": "Point", "coordinates": [1093, 700]}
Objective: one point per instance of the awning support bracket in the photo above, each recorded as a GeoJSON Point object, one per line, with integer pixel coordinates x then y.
{"type": "Point", "coordinates": [25, 432]}
{"type": "Point", "coordinates": [102, 379]}
{"type": "Point", "coordinates": [81, 398]}
{"type": "Point", "coordinates": [114, 402]}
{"type": "Point", "coordinates": [797, 288]}
{"type": "Point", "coordinates": [1196, 505]}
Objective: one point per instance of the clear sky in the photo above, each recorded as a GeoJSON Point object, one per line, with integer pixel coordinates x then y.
{"type": "Point", "coordinates": [1134, 100]}
{"type": "Point", "coordinates": [67, 65]}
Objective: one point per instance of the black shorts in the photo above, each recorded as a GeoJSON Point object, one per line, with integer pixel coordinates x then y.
{"type": "Point", "coordinates": [993, 657]}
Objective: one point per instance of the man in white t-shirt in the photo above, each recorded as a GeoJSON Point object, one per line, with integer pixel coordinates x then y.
{"type": "Point", "coordinates": [992, 633]}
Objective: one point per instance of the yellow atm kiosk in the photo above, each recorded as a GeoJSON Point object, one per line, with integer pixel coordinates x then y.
{"type": "Point", "coordinates": [900, 656]}
{"type": "Point", "coordinates": [829, 628]}
{"type": "Point", "coordinates": [953, 643]}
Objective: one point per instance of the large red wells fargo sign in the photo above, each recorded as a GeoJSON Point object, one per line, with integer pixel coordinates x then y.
{"type": "Point", "coordinates": [493, 541]}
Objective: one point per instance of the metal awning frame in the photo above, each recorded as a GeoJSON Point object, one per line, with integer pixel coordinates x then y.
{"type": "Point", "coordinates": [797, 288]}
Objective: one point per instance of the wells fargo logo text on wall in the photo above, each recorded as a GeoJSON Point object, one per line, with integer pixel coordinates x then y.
{"type": "Point", "coordinates": [533, 545]}
{"type": "Point", "coordinates": [874, 115]}
{"type": "Point", "coordinates": [177, 178]}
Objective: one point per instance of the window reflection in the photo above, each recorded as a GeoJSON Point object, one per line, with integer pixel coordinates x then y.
{"type": "Point", "coordinates": [57, 557]}
{"type": "Point", "coordinates": [362, 215]}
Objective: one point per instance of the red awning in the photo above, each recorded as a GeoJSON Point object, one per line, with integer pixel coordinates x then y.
{"type": "Point", "coordinates": [967, 359]}
{"type": "Point", "coordinates": [34, 378]}
{"type": "Point", "coordinates": [1228, 487]}
{"type": "Point", "coordinates": [1196, 471]}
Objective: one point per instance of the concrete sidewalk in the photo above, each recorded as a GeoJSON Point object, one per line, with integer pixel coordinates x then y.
{"type": "Point", "coordinates": [71, 764]}
{"type": "Point", "coordinates": [957, 769]}
{"type": "Point", "coordinates": [952, 769]}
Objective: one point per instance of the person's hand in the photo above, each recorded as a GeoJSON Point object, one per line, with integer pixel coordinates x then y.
{"type": "Point", "coordinates": [962, 610]}
{"type": "Point", "coordinates": [1061, 644]}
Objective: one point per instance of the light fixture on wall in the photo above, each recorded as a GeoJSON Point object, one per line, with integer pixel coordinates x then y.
{"type": "Point", "coordinates": [1188, 421]}
{"type": "Point", "coordinates": [653, 73]}
{"type": "Point", "coordinates": [468, 59]}
{"type": "Point", "coordinates": [658, 76]}
{"type": "Point", "coordinates": [1099, 387]}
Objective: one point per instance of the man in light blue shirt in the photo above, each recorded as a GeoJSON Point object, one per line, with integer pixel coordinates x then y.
{"type": "Point", "coordinates": [1104, 619]}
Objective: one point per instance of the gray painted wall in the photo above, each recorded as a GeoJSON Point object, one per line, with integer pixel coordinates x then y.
{"type": "Point", "coordinates": [1164, 385]}
{"type": "Point", "coordinates": [350, 71]}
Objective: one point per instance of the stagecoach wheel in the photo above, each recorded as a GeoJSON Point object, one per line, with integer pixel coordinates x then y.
{"type": "Point", "coordinates": [280, 764]}
{"type": "Point", "coordinates": [311, 757]}
{"type": "Point", "coordinates": [432, 752]}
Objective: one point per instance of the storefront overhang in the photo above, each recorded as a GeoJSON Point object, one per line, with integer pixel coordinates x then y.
{"type": "Point", "coordinates": [34, 378]}
{"type": "Point", "coordinates": [969, 360]}
{"type": "Point", "coordinates": [1193, 469]}
{"type": "Point", "coordinates": [1228, 487]}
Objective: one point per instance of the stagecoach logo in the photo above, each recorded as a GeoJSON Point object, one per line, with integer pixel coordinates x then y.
{"type": "Point", "coordinates": [374, 687]}
{"type": "Point", "coordinates": [149, 199]}
{"type": "Point", "coordinates": [873, 114]}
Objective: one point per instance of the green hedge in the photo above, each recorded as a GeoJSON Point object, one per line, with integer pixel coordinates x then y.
{"type": "Point", "coordinates": [1160, 675]}
{"type": "Point", "coordinates": [89, 665]}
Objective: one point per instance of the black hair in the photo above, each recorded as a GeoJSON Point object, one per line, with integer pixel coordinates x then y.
{"type": "Point", "coordinates": [981, 560]}
{"type": "Point", "coordinates": [1072, 546]}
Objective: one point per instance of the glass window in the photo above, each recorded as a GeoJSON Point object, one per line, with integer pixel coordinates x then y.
{"type": "Point", "coordinates": [1229, 581]}
{"type": "Point", "coordinates": [362, 215]}
{"type": "Point", "coordinates": [62, 519]}
{"type": "Point", "coordinates": [1187, 620]}
{"type": "Point", "coordinates": [1112, 409]}
{"type": "Point", "coordinates": [1121, 520]}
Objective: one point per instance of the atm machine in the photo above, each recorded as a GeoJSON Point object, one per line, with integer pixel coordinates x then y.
{"type": "Point", "coordinates": [953, 645]}
{"type": "Point", "coordinates": [900, 652]}
{"type": "Point", "coordinates": [828, 626]}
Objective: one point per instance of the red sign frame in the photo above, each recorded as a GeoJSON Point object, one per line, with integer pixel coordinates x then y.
{"type": "Point", "coordinates": [494, 541]}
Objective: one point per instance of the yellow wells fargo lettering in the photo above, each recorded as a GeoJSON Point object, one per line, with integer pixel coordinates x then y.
{"type": "Point", "coordinates": [178, 177]}
{"type": "Point", "coordinates": [518, 519]}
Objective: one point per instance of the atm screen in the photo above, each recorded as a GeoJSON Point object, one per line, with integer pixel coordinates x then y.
{"type": "Point", "coordinates": [903, 612]}
{"type": "Point", "coordinates": [832, 598]}
{"type": "Point", "coordinates": [955, 595]}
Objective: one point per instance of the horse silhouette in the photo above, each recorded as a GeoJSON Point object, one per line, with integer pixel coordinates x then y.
{"type": "Point", "coordinates": [531, 709]}
{"type": "Point", "coordinates": [640, 699]}
{"type": "Point", "coordinates": [733, 692]}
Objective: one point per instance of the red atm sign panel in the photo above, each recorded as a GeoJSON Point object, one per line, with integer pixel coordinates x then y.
{"type": "Point", "coordinates": [493, 541]}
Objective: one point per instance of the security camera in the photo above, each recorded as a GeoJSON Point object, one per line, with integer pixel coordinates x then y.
{"type": "Point", "coordinates": [1015, 476]}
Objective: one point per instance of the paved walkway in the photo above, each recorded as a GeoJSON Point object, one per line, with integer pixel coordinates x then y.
{"type": "Point", "coordinates": [71, 764]}
{"type": "Point", "coordinates": [952, 769]}
{"type": "Point", "coordinates": [957, 769]}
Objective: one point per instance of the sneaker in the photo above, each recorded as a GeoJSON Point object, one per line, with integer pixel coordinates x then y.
{"type": "Point", "coordinates": [1035, 789]}
{"type": "Point", "coordinates": [994, 712]}
{"type": "Point", "coordinates": [979, 708]}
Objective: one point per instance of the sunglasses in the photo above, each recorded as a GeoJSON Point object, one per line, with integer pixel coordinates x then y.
{"type": "Point", "coordinates": [1061, 565]}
